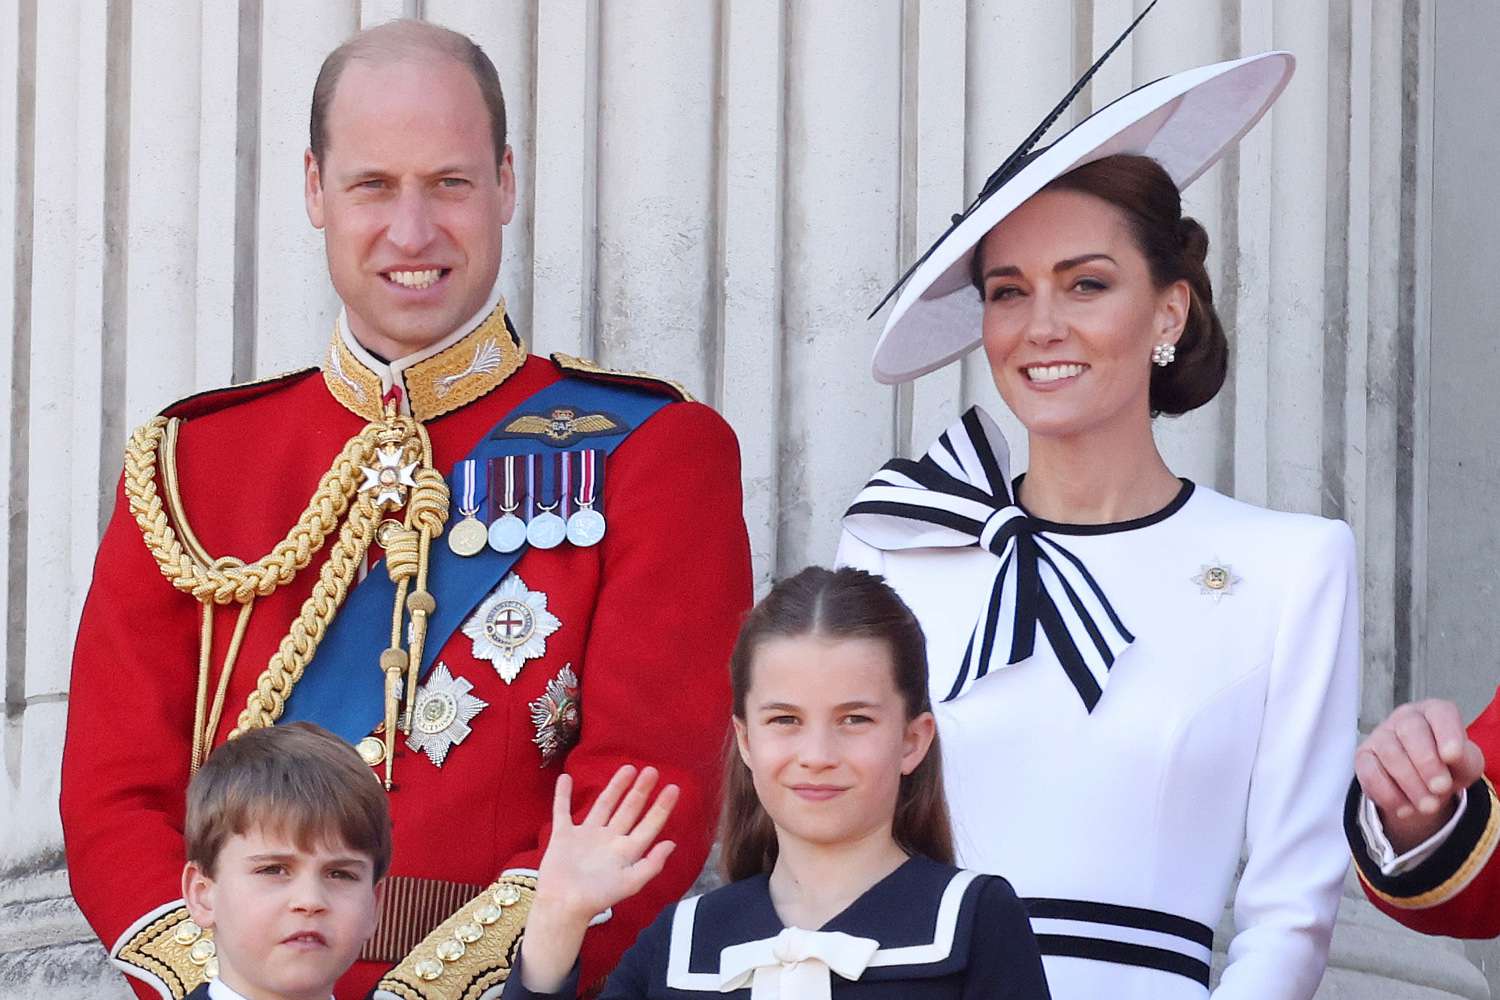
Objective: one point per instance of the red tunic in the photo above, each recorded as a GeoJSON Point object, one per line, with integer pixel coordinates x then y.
{"type": "Point", "coordinates": [1456, 890]}
{"type": "Point", "coordinates": [648, 618]}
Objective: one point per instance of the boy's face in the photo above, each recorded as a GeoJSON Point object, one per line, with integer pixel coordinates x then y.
{"type": "Point", "coordinates": [287, 922]}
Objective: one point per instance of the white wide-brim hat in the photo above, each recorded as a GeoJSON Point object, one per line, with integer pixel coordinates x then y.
{"type": "Point", "coordinates": [1185, 122]}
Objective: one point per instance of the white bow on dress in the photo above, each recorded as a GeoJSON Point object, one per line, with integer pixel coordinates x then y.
{"type": "Point", "coordinates": [795, 964]}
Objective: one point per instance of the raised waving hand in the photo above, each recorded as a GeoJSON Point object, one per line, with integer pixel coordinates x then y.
{"type": "Point", "coordinates": [592, 865]}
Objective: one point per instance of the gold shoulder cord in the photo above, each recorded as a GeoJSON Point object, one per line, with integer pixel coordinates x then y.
{"type": "Point", "coordinates": [383, 453]}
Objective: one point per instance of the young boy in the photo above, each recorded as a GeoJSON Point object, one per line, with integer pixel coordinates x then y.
{"type": "Point", "coordinates": [288, 837]}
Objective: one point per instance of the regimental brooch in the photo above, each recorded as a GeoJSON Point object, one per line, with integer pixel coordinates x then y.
{"type": "Point", "coordinates": [511, 626]}
{"type": "Point", "coordinates": [555, 715]}
{"type": "Point", "coordinates": [1217, 580]}
{"type": "Point", "coordinates": [444, 710]}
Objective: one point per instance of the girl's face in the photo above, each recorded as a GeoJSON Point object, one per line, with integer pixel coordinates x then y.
{"type": "Point", "coordinates": [826, 737]}
{"type": "Point", "coordinates": [1071, 314]}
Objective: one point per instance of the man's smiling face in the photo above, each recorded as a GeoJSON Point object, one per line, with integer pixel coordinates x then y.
{"type": "Point", "coordinates": [410, 200]}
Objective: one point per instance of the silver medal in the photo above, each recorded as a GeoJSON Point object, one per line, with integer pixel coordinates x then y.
{"type": "Point", "coordinates": [586, 527]}
{"type": "Point", "coordinates": [507, 533]}
{"type": "Point", "coordinates": [546, 530]}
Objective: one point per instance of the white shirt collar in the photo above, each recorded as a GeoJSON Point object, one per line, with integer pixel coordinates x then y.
{"type": "Point", "coordinates": [389, 372]}
{"type": "Point", "coordinates": [217, 990]}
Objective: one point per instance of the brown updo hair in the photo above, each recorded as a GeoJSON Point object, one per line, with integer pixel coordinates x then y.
{"type": "Point", "coordinates": [837, 604]}
{"type": "Point", "coordinates": [1174, 247]}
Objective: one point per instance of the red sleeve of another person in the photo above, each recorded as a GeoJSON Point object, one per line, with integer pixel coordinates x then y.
{"type": "Point", "coordinates": [1456, 890]}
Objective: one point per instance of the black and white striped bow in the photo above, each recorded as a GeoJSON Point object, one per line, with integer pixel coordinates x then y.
{"type": "Point", "coordinates": [958, 494]}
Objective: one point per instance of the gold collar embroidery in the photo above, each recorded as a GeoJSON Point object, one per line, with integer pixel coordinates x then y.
{"type": "Point", "coordinates": [451, 377]}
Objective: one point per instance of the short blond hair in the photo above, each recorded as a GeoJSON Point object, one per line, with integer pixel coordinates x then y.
{"type": "Point", "coordinates": [299, 780]}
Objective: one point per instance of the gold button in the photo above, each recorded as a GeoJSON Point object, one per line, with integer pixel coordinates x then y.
{"type": "Point", "coordinates": [451, 950]}
{"type": "Point", "coordinates": [1216, 578]}
{"type": "Point", "coordinates": [202, 951]}
{"type": "Point", "coordinates": [428, 969]}
{"type": "Point", "coordinates": [383, 533]}
{"type": "Point", "coordinates": [211, 968]}
{"type": "Point", "coordinates": [371, 750]}
{"type": "Point", "coordinates": [468, 933]}
{"type": "Point", "coordinates": [507, 894]}
{"type": "Point", "coordinates": [488, 914]}
{"type": "Point", "coordinates": [186, 933]}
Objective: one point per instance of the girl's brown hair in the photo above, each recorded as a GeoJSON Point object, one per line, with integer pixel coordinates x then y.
{"type": "Point", "coordinates": [1175, 247]}
{"type": "Point", "coordinates": [835, 604]}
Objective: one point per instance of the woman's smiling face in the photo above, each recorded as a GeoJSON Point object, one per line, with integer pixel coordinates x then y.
{"type": "Point", "coordinates": [1071, 314]}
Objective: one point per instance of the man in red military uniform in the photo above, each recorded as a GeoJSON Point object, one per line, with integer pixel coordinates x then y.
{"type": "Point", "coordinates": [339, 544]}
{"type": "Point", "coordinates": [1423, 821]}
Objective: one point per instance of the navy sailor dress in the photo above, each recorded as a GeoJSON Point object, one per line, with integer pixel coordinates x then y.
{"type": "Point", "coordinates": [927, 931]}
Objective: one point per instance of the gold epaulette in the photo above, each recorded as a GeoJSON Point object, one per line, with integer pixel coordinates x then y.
{"type": "Point", "coordinates": [169, 951]}
{"type": "Point", "coordinates": [584, 368]}
{"type": "Point", "coordinates": [471, 952]}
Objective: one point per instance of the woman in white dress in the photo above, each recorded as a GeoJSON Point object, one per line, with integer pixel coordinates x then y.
{"type": "Point", "coordinates": [1138, 680]}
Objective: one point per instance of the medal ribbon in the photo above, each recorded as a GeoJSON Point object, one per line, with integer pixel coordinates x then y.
{"type": "Point", "coordinates": [565, 494]}
{"type": "Point", "coordinates": [587, 465]}
{"type": "Point", "coordinates": [468, 508]}
{"type": "Point", "coordinates": [957, 495]}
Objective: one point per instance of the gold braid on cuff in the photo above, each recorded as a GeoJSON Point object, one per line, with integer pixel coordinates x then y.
{"type": "Point", "coordinates": [471, 952]}
{"type": "Point", "coordinates": [172, 950]}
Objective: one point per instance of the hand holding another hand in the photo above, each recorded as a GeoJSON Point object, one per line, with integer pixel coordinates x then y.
{"type": "Point", "coordinates": [1414, 765]}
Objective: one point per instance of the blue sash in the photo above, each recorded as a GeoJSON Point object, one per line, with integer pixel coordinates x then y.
{"type": "Point", "coordinates": [341, 689]}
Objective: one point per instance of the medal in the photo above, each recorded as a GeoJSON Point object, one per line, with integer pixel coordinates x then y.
{"type": "Point", "coordinates": [586, 525]}
{"type": "Point", "coordinates": [467, 537]}
{"type": "Point", "coordinates": [444, 710]}
{"type": "Point", "coordinates": [546, 529]}
{"type": "Point", "coordinates": [555, 715]}
{"type": "Point", "coordinates": [508, 532]}
{"type": "Point", "coordinates": [511, 626]}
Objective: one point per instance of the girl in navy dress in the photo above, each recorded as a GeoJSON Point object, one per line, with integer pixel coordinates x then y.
{"type": "Point", "coordinates": [835, 834]}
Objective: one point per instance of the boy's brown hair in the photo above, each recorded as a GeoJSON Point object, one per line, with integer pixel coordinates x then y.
{"type": "Point", "coordinates": [297, 780]}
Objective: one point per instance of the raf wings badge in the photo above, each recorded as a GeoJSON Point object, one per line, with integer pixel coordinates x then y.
{"type": "Point", "coordinates": [511, 626]}
{"type": "Point", "coordinates": [555, 715]}
{"type": "Point", "coordinates": [560, 426]}
{"type": "Point", "coordinates": [444, 710]}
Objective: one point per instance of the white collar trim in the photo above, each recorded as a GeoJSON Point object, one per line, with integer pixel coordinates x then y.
{"type": "Point", "coordinates": [680, 948]}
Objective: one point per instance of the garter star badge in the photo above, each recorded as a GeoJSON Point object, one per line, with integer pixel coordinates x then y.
{"type": "Point", "coordinates": [555, 715]}
{"type": "Point", "coordinates": [511, 626]}
{"type": "Point", "coordinates": [1217, 580]}
{"type": "Point", "coordinates": [443, 711]}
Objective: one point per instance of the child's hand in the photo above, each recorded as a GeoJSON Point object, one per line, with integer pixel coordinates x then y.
{"type": "Point", "coordinates": [590, 866]}
{"type": "Point", "coordinates": [609, 856]}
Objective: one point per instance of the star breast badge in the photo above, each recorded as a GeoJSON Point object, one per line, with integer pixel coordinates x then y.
{"type": "Point", "coordinates": [444, 710]}
{"type": "Point", "coordinates": [511, 626]}
{"type": "Point", "coordinates": [1216, 580]}
{"type": "Point", "coordinates": [555, 715]}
